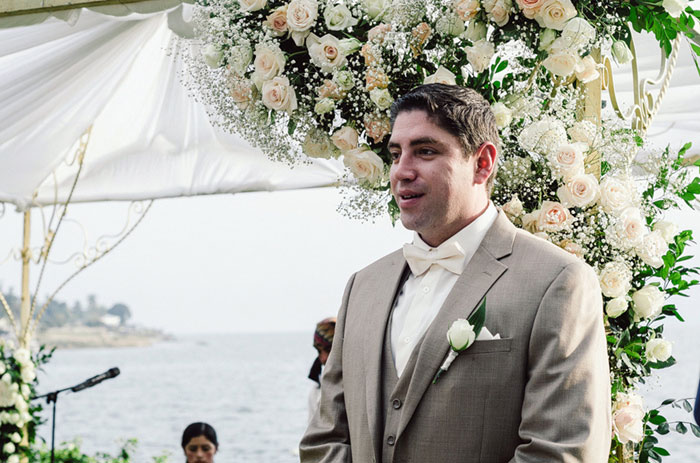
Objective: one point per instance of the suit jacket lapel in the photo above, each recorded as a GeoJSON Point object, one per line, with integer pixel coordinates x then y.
{"type": "Point", "coordinates": [480, 274]}
{"type": "Point", "coordinates": [385, 287]}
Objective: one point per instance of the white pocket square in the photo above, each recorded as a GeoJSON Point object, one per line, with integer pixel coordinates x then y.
{"type": "Point", "coordinates": [485, 335]}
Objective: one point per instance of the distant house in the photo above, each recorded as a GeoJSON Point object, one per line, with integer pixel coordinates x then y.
{"type": "Point", "coordinates": [111, 321]}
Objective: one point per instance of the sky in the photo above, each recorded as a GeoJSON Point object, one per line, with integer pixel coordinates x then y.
{"type": "Point", "coordinates": [272, 261]}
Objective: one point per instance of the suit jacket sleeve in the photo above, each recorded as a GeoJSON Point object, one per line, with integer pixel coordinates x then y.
{"type": "Point", "coordinates": [327, 438]}
{"type": "Point", "coordinates": [566, 407]}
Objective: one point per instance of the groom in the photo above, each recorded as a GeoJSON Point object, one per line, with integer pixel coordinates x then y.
{"type": "Point", "coordinates": [534, 387]}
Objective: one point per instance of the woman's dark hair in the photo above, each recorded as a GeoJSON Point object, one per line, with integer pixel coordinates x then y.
{"type": "Point", "coordinates": [199, 429]}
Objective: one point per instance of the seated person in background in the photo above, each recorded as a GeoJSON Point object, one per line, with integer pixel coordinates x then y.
{"type": "Point", "coordinates": [323, 340]}
{"type": "Point", "coordinates": [199, 443]}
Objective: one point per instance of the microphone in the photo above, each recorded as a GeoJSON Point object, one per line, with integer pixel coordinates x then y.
{"type": "Point", "coordinates": [111, 373]}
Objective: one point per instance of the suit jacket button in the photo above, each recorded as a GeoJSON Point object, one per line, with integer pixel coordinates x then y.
{"type": "Point", "coordinates": [390, 440]}
{"type": "Point", "coordinates": [396, 404]}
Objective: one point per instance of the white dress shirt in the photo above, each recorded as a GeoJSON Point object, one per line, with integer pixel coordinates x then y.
{"type": "Point", "coordinates": [421, 297]}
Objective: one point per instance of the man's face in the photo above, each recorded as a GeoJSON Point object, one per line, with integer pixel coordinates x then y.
{"type": "Point", "coordinates": [438, 189]}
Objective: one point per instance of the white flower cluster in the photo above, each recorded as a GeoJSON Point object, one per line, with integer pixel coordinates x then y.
{"type": "Point", "coordinates": [14, 397]}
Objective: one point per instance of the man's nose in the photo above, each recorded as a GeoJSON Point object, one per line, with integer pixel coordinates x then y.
{"type": "Point", "coordinates": [403, 169]}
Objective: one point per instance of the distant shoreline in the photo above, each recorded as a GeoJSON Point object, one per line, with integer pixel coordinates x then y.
{"type": "Point", "coordinates": [76, 337]}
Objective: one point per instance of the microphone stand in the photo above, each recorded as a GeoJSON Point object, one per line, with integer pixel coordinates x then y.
{"type": "Point", "coordinates": [52, 397]}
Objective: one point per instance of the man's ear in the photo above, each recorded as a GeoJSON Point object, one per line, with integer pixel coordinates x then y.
{"type": "Point", "coordinates": [485, 162]}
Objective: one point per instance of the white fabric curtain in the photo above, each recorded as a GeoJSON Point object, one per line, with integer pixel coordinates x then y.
{"type": "Point", "coordinates": [150, 139]}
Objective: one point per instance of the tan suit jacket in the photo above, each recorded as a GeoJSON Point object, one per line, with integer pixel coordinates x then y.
{"type": "Point", "coordinates": [539, 394]}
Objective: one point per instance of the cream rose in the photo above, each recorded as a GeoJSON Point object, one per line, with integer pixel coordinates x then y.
{"type": "Point", "coordinates": [441, 76]}
{"type": "Point", "coordinates": [326, 52]}
{"type": "Point", "coordinates": [461, 334]}
{"type": "Point", "coordinates": [567, 161]}
{"type": "Point", "coordinates": [324, 105]}
{"type": "Point", "coordinates": [449, 24]}
{"type": "Point", "coordinates": [277, 21]}
{"type": "Point", "coordinates": [648, 302]}
{"type": "Point", "coordinates": [376, 8]}
{"type": "Point", "coordinates": [364, 164]}
{"type": "Point", "coordinates": [553, 216]}
{"type": "Point", "coordinates": [587, 70]}
{"type": "Point", "coordinates": [630, 228]}
{"type": "Point", "coordinates": [269, 63]}
{"type": "Point", "coordinates": [513, 208]}
{"type": "Point", "coordinates": [345, 139]}
{"type": "Point", "coordinates": [213, 55]}
{"type": "Point", "coordinates": [252, 5]}
{"type": "Point", "coordinates": [28, 374]}
{"type": "Point", "coordinates": [500, 12]}
{"type": "Point", "coordinates": [22, 356]}
{"type": "Point", "coordinates": [658, 350]}
{"type": "Point", "coordinates": [668, 230]}
{"type": "Point", "coordinates": [572, 248]}
{"type": "Point", "coordinates": [652, 248]}
{"type": "Point", "coordinates": [621, 52]}
{"type": "Point", "coordinates": [583, 132]}
{"type": "Point", "coordinates": [317, 144]}
{"type": "Point", "coordinates": [578, 33]}
{"type": "Point", "coordinates": [277, 94]}
{"type": "Point", "coordinates": [616, 193]}
{"type": "Point", "coordinates": [554, 14]}
{"type": "Point", "coordinates": [338, 17]}
{"type": "Point", "coordinates": [476, 30]}
{"type": "Point", "coordinates": [503, 114]}
{"type": "Point", "coordinates": [8, 448]}
{"type": "Point", "coordinates": [628, 415]}
{"type": "Point", "coordinates": [479, 55]}
{"type": "Point", "coordinates": [579, 191]}
{"type": "Point", "coordinates": [16, 438]}
{"type": "Point", "coordinates": [675, 7]}
{"type": "Point", "coordinates": [616, 307]}
{"type": "Point", "coordinates": [301, 16]}
{"type": "Point", "coordinates": [466, 9]}
{"type": "Point", "coordinates": [615, 279]}
{"type": "Point", "coordinates": [561, 62]}
{"type": "Point", "coordinates": [529, 7]}
{"type": "Point", "coordinates": [242, 92]}
{"type": "Point", "coordinates": [547, 38]}
{"type": "Point", "coordinates": [381, 97]}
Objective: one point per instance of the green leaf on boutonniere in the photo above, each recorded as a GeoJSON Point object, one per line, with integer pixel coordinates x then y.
{"type": "Point", "coordinates": [478, 318]}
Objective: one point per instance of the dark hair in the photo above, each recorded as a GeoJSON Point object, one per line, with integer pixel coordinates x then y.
{"type": "Point", "coordinates": [199, 429]}
{"type": "Point", "coordinates": [459, 110]}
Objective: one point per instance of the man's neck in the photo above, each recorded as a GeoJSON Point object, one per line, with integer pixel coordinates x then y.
{"type": "Point", "coordinates": [453, 229]}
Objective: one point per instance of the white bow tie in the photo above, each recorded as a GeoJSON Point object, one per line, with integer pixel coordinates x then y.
{"type": "Point", "coordinates": [450, 256]}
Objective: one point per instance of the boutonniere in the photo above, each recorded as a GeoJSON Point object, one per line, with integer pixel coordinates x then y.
{"type": "Point", "coordinates": [462, 334]}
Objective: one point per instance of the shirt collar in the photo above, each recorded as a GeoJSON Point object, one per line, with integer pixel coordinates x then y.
{"type": "Point", "coordinates": [469, 237]}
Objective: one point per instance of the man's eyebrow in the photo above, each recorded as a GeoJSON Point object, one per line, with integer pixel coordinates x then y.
{"type": "Point", "coordinates": [418, 141]}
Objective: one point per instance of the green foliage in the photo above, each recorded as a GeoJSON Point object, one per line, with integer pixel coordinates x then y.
{"type": "Point", "coordinates": [70, 452]}
{"type": "Point", "coordinates": [656, 423]}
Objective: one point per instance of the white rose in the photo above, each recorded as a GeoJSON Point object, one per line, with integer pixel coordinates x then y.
{"type": "Point", "coordinates": [553, 216]}
{"type": "Point", "coordinates": [7, 396]}
{"type": "Point", "coordinates": [675, 7]}
{"type": "Point", "coordinates": [578, 33]}
{"type": "Point", "coordinates": [13, 459]}
{"type": "Point", "coordinates": [344, 80]}
{"type": "Point", "coordinates": [579, 191]}
{"type": "Point", "coordinates": [503, 114]}
{"type": "Point", "coordinates": [213, 55]}
{"type": "Point", "coordinates": [301, 16]}
{"type": "Point", "coordinates": [567, 161]}
{"type": "Point", "coordinates": [584, 132]}
{"type": "Point", "coordinates": [543, 136]}
{"type": "Point", "coordinates": [615, 279]}
{"type": "Point", "coordinates": [277, 94]}
{"type": "Point", "coordinates": [252, 5]}
{"type": "Point", "coordinates": [500, 12]}
{"type": "Point", "coordinates": [630, 228]}
{"type": "Point", "coordinates": [476, 30]}
{"type": "Point", "coordinates": [26, 391]}
{"type": "Point", "coordinates": [317, 144]}
{"type": "Point", "coordinates": [338, 17]}
{"type": "Point", "coordinates": [345, 139]}
{"type": "Point", "coordinates": [3, 368]}
{"type": "Point", "coordinates": [561, 62]}
{"type": "Point", "coordinates": [616, 193]}
{"type": "Point", "coordinates": [326, 52]}
{"type": "Point", "coordinates": [587, 70]}
{"type": "Point", "coordinates": [668, 230]}
{"type": "Point", "coordinates": [513, 208]}
{"type": "Point", "coordinates": [461, 334]}
{"type": "Point", "coordinates": [381, 97]}
{"type": "Point", "coordinates": [28, 375]}
{"type": "Point", "coordinates": [241, 55]}
{"type": "Point", "coordinates": [466, 9]}
{"type": "Point", "coordinates": [449, 24]}
{"type": "Point", "coordinates": [616, 307]}
{"type": "Point", "coordinates": [16, 438]}
{"type": "Point", "coordinates": [628, 418]}
{"type": "Point", "coordinates": [479, 55]}
{"type": "Point", "coordinates": [554, 14]}
{"type": "Point", "coordinates": [277, 21]}
{"type": "Point", "coordinates": [621, 52]}
{"type": "Point", "coordinates": [658, 350]}
{"type": "Point", "coordinates": [9, 448]}
{"type": "Point", "coordinates": [349, 46]}
{"type": "Point", "coordinates": [364, 164]}
{"type": "Point", "coordinates": [651, 250]}
{"type": "Point", "coordinates": [547, 38]}
{"type": "Point", "coordinates": [648, 302]}
{"type": "Point", "coordinates": [376, 8]}
{"type": "Point", "coordinates": [269, 63]}
{"type": "Point", "coordinates": [324, 105]}
{"type": "Point", "coordinates": [441, 76]}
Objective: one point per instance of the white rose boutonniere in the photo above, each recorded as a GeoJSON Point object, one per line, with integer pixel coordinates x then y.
{"type": "Point", "coordinates": [462, 334]}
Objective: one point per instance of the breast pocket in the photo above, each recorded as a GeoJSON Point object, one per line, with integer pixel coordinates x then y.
{"type": "Point", "coordinates": [492, 345]}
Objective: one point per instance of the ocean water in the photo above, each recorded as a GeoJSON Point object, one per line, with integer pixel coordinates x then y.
{"type": "Point", "coordinates": [252, 388]}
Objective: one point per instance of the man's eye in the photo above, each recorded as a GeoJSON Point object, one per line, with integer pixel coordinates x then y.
{"type": "Point", "coordinates": [395, 155]}
{"type": "Point", "coordinates": [427, 151]}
